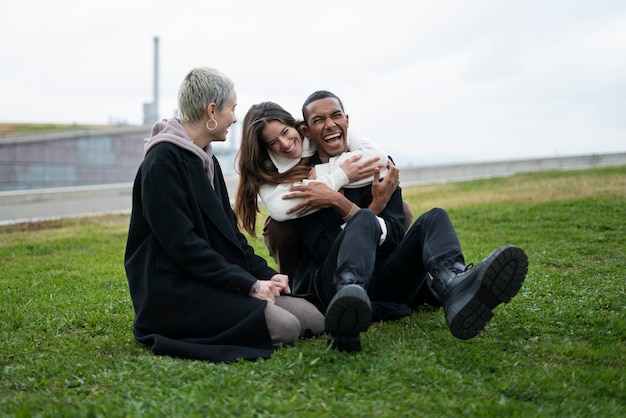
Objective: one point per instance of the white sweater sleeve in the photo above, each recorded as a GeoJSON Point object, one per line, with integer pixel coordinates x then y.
{"type": "Point", "coordinates": [272, 197]}
{"type": "Point", "coordinates": [357, 145]}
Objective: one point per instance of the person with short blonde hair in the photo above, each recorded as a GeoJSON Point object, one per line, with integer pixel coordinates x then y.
{"type": "Point", "coordinates": [198, 289]}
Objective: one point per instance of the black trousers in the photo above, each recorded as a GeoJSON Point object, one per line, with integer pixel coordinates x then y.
{"type": "Point", "coordinates": [284, 246]}
{"type": "Point", "coordinates": [399, 277]}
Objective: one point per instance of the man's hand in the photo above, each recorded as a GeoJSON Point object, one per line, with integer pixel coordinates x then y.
{"type": "Point", "coordinates": [383, 190]}
{"type": "Point", "coordinates": [358, 170]}
{"type": "Point", "coordinates": [316, 196]}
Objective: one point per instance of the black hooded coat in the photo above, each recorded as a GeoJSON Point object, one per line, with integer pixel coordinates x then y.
{"type": "Point", "coordinates": [189, 268]}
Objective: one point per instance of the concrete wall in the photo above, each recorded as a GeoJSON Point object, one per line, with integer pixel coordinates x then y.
{"type": "Point", "coordinates": [81, 157]}
{"type": "Point", "coordinates": [455, 172]}
{"type": "Point", "coordinates": [28, 205]}
{"type": "Point", "coordinates": [70, 158]}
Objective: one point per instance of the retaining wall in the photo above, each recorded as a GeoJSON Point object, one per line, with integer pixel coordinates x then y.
{"type": "Point", "coordinates": [30, 205]}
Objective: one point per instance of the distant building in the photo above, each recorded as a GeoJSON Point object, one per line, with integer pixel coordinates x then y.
{"type": "Point", "coordinates": [82, 157]}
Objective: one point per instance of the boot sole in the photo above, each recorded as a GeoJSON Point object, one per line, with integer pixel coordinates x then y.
{"type": "Point", "coordinates": [504, 272]}
{"type": "Point", "coordinates": [348, 314]}
{"type": "Point", "coordinates": [345, 343]}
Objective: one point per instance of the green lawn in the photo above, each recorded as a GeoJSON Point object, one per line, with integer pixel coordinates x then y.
{"type": "Point", "coordinates": [558, 349]}
{"type": "Point", "coordinates": [11, 128]}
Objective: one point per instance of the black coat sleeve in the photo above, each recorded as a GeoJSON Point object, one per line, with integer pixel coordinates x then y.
{"type": "Point", "coordinates": [206, 247]}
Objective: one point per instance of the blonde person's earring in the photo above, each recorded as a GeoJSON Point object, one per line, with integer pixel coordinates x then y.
{"type": "Point", "coordinates": [207, 124]}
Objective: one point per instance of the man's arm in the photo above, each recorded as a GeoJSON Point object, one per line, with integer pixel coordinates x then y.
{"type": "Point", "coordinates": [354, 168]}
{"type": "Point", "coordinates": [315, 196]}
{"type": "Point", "coordinates": [382, 190]}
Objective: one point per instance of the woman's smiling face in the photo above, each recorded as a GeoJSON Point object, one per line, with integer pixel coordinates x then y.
{"type": "Point", "coordinates": [282, 140]}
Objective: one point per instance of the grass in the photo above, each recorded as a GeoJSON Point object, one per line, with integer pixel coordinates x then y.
{"type": "Point", "coordinates": [558, 349]}
{"type": "Point", "coordinates": [10, 128]}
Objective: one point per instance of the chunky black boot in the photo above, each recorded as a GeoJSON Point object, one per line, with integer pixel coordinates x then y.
{"type": "Point", "coordinates": [470, 294]}
{"type": "Point", "coordinates": [349, 313]}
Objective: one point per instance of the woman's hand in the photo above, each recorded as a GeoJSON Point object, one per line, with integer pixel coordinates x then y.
{"type": "Point", "coordinates": [281, 281]}
{"type": "Point", "coordinates": [270, 289]}
{"type": "Point", "coordinates": [267, 290]}
{"type": "Point", "coordinates": [358, 170]}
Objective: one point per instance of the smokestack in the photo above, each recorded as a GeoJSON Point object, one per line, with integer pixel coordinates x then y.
{"type": "Point", "coordinates": [155, 102]}
{"type": "Point", "coordinates": [151, 110]}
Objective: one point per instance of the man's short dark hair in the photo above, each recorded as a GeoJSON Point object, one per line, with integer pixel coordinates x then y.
{"type": "Point", "coordinates": [318, 95]}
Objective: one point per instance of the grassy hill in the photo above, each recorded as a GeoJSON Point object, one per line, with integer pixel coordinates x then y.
{"type": "Point", "coordinates": [9, 128]}
{"type": "Point", "coordinates": [558, 349]}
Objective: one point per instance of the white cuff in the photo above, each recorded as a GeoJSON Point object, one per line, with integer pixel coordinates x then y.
{"type": "Point", "coordinates": [383, 227]}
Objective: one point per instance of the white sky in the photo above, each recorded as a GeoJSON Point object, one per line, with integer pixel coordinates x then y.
{"type": "Point", "coordinates": [430, 81]}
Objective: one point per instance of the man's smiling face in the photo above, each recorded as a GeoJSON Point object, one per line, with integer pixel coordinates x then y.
{"type": "Point", "coordinates": [327, 126]}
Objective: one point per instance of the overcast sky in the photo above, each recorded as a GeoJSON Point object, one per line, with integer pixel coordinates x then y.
{"type": "Point", "coordinates": [431, 81]}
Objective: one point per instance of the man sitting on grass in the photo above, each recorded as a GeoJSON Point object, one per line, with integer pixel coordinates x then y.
{"type": "Point", "coordinates": [354, 255]}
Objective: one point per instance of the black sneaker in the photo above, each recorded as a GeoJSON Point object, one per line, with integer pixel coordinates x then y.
{"type": "Point", "coordinates": [471, 295]}
{"type": "Point", "coordinates": [349, 313]}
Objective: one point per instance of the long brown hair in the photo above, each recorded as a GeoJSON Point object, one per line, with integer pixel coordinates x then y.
{"type": "Point", "coordinates": [254, 164]}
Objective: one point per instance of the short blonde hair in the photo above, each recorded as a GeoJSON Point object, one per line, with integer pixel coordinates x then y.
{"type": "Point", "coordinates": [201, 87]}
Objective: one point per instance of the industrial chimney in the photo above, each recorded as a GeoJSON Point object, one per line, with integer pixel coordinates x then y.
{"type": "Point", "coordinates": [151, 110]}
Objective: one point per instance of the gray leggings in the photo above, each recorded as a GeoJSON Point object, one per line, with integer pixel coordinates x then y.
{"type": "Point", "coordinates": [291, 318]}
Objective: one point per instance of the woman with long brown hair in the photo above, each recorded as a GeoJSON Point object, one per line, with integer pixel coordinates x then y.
{"type": "Point", "coordinates": [272, 157]}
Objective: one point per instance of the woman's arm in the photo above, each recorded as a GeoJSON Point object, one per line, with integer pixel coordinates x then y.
{"type": "Point", "coordinates": [272, 197]}
{"type": "Point", "coordinates": [319, 196]}
{"type": "Point", "coordinates": [341, 171]}
{"type": "Point", "coordinates": [333, 174]}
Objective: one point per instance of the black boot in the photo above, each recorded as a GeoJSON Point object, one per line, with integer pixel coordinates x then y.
{"type": "Point", "coordinates": [469, 294]}
{"type": "Point", "coordinates": [348, 314]}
